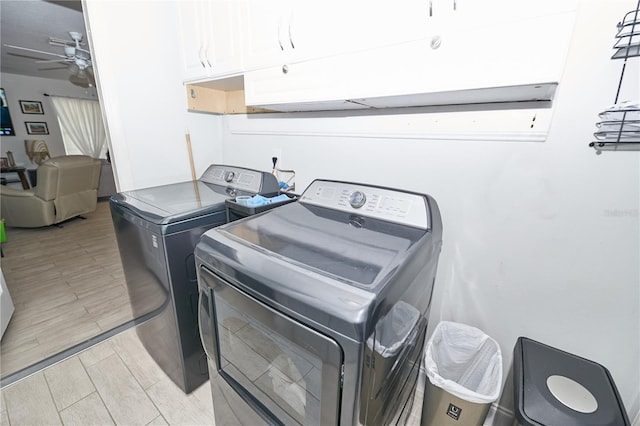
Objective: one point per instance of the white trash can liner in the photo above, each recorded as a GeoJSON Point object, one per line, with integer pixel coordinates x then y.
{"type": "Point", "coordinates": [465, 362]}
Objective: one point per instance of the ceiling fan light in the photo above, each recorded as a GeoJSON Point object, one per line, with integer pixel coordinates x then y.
{"type": "Point", "coordinates": [74, 69]}
{"type": "Point", "coordinates": [82, 63]}
{"type": "Point", "coordinates": [75, 36]}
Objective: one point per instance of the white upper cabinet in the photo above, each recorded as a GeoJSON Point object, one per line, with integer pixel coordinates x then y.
{"type": "Point", "coordinates": [282, 32]}
{"type": "Point", "coordinates": [441, 52]}
{"type": "Point", "coordinates": [211, 39]}
{"type": "Point", "coordinates": [521, 47]}
{"type": "Point", "coordinates": [378, 53]}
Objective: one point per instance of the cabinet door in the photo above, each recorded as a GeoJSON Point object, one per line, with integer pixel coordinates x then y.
{"type": "Point", "coordinates": [266, 28]}
{"type": "Point", "coordinates": [379, 23]}
{"type": "Point", "coordinates": [465, 52]}
{"type": "Point", "coordinates": [223, 46]}
{"type": "Point", "coordinates": [288, 31]}
{"type": "Point", "coordinates": [193, 42]}
{"type": "Point", "coordinates": [211, 39]}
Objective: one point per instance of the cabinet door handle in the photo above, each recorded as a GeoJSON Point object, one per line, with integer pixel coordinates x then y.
{"type": "Point", "coordinates": [279, 28]}
{"type": "Point", "coordinates": [207, 59]}
{"type": "Point", "coordinates": [291, 38]}
{"type": "Point", "coordinates": [200, 57]}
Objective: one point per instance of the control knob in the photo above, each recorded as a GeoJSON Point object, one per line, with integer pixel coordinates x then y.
{"type": "Point", "coordinates": [228, 176]}
{"type": "Point", "coordinates": [357, 199]}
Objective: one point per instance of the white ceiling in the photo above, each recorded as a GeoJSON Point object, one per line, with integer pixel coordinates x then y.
{"type": "Point", "coordinates": [30, 24]}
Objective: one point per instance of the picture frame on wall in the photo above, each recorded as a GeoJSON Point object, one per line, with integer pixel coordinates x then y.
{"type": "Point", "coordinates": [31, 107]}
{"type": "Point", "coordinates": [37, 128]}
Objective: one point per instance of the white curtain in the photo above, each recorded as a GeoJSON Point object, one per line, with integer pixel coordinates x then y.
{"type": "Point", "coordinates": [82, 127]}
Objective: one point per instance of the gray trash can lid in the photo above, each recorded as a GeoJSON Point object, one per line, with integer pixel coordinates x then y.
{"type": "Point", "coordinates": [553, 387]}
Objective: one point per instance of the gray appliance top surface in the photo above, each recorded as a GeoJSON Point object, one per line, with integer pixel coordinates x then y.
{"type": "Point", "coordinates": [352, 248]}
{"type": "Point", "coordinates": [326, 260]}
{"type": "Point", "coordinates": [176, 202]}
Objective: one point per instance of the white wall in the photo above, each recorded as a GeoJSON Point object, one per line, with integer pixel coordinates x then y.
{"type": "Point", "coordinates": [540, 239]}
{"type": "Point", "coordinates": [137, 63]}
{"type": "Point", "coordinates": [18, 87]}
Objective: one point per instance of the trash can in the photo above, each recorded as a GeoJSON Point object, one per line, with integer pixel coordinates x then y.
{"type": "Point", "coordinates": [553, 387]}
{"type": "Point", "coordinates": [464, 376]}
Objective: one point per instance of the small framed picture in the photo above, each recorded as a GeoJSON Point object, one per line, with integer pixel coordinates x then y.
{"type": "Point", "coordinates": [37, 128]}
{"type": "Point", "coordinates": [31, 107]}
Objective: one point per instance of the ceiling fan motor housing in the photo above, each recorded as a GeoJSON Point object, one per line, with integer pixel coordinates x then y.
{"type": "Point", "coordinates": [79, 59]}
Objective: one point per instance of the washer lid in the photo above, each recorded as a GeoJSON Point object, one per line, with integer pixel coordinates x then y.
{"type": "Point", "coordinates": [171, 203]}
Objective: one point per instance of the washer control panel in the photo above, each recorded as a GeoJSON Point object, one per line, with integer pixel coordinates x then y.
{"type": "Point", "coordinates": [236, 177]}
{"type": "Point", "coordinates": [382, 203]}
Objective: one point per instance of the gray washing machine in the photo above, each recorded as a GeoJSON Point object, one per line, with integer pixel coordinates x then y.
{"type": "Point", "coordinates": [315, 313]}
{"type": "Point", "coordinates": [157, 229]}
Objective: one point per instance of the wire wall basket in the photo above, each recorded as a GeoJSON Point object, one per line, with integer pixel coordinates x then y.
{"type": "Point", "coordinates": [619, 128]}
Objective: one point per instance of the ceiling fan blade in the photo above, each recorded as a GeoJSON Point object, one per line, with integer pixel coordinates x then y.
{"type": "Point", "coordinates": [59, 42]}
{"type": "Point", "coordinates": [53, 60]}
{"type": "Point", "coordinates": [83, 50]}
{"type": "Point", "coordinates": [36, 51]}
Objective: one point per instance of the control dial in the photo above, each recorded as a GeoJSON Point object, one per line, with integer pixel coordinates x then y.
{"type": "Point", "coordinates": [357, 199]}
{"type": "Point", "coordinates": [228, 176]}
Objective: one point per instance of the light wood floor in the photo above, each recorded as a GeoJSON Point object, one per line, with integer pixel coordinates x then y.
{"type": "Point", "coordinates": [116, 382]}
{"type": "Point", "coordinates": [67, 286]}
{"type": "Point", "coordinates": [113, 382]}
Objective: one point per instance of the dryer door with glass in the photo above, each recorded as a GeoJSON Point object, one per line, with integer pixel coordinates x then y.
{"type": "Point", "coordinates": [283, 369]}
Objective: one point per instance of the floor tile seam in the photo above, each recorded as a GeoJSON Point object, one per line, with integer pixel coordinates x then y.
{"type": "Point", "coordinates": [145, 389]}
{"type": "Point", "coordinates": [50, 307]}
{"type": "Point", "coordinates": [21, 294]}
{"type": "Point", "coordinates": [106, 341]}
{"type": "Point", "coordinates": [53, 400]}
{"type": "Point", "coordinates": [45, 343]}
{"type": "Point", "coordinates": [3, 403]}
{"type": "Point", "coordinates": [13, 279]}
{"type": "Point", "coordinates": [12, 351]}
{"type": "Point", "coordinates": [97, 391]}
{"type": "Point", "coordinates": [87, 295]}
{"type": "Point", "coordinates": [117, 354]}
{"type": "Point", "coordinates": [44, 374]}
{"type": "Point", "coordinates": [35, 326]}
{"type": "Point", "coordinates": [189, 397]}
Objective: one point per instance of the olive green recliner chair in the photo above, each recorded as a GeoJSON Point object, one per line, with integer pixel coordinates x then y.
{"type": "Point", "coordinates": [66, 187]}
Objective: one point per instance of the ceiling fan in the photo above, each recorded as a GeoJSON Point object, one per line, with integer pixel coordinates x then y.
{"type": "Point", "coordinates": [79, 59]}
